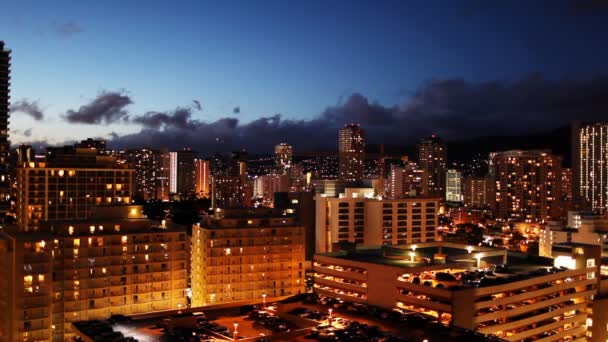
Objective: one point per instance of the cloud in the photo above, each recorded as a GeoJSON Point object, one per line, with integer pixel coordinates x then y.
{"type": "Point", "coordinates": [236, 110]}
{"type": "Point", "coordinates": [106, 108]}
{"type": "Point", "coordinates": [27, 132]}
{"type": "Point", "coordinates": [66, 29]}
{"type": "Point", "coordinates": [197, 105]}
{"type": "Point", "coordinates": [454, 108]}
{"type": "Point", "coordinates": [179, 119]}
{"type": "Point", "coordinates": [31, 108]}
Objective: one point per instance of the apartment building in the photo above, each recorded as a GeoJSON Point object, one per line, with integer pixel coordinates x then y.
{"type": "Point", "coordinates": [114, 262]}
{"type": "Point", "coordinates": [358, 217]}
{"type": "Point", "coordinates": [528, 299]}
{"type": "Point", "coordinates": [244, 255]}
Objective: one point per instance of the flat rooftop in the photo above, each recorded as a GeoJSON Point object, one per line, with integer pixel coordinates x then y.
{"type": "Point", "coordinates": [458, 261]}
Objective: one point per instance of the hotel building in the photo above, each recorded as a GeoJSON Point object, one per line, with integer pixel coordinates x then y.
{"type": "Point", "coordinates": [68, 185]}
{"type": "Point", "coordinates": [245, 255]}
{"type": "Point", "coordinates": [114, 262]}
{"type": "Point", "coordinates": [528, 299]}
{"type": "Point", "coordinates": [478, 192]}
{"type": "Point", "coordinates": [284, 156]}
{"type": "Point", "coordinates": [356, 216]}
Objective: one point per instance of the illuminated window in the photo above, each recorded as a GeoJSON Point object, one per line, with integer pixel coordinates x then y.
{"type": "Point", "coordinates": [76, 242]}
{"type": "Point", "coordinates": [27, 280]}
{"type": "Point", "coordinates": [41, 278]}
{"type": "Point", "coordinates": [109, 186]}
{"type": "Point", "coordinates": [118, 186]}
{"type": "Point", "coordinates": [117, 227]}
{"type": "Point", "coordinates": [92, 229]}
{"type": "Point", "coordinates": [123, 239]}
{"type": "Point", "coordinates": [61, 172]}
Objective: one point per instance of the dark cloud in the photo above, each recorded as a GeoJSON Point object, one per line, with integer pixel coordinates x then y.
{"type": "Point", "coordinates": [197, 105]}
{"type": "Point", "coordinates": [236, 110]}
{"type": "Point", "coordinates": [31, 108]}
{"type": "Point", "coordinates": [179, 119]}
{"type": "Point", "coordinates": [66, 29]}
{"type": "Point", "coordinates": [106, 108]}
{"type": "Point", "coordinates": [452, 108]}
{"type": "Point", "coordinates": [27, 132]}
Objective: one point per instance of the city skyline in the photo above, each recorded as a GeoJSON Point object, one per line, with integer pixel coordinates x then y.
{"type": "Point", "coordinates": [232, 90]}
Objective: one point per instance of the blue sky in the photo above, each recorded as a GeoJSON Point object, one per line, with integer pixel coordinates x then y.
{"type": "Point", "coordinates": [268, 57]}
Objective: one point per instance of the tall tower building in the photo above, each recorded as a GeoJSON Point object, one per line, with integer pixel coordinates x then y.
{"type": "Point", "coordinates": [149, 172]}
{"type": "Point", "coordinates": [5, 77]}
{"type": "Point", "coordinates": [478, 192]}
{"type": "Point", "coordinates": [351, 151]}
{"type": "Point", "coordinates": [202, 177]}
{"type": "Point", "coordinates": [432, 157]}
{"type": "Point", "coordinates": [528, 185]}
{"type": "Point", "coordinates": [284, 156]}
{"type": "Point", "coordinates": [453, 191]}
{"type": "Point", "coordinates": [181, 171]}
{"type": "Point", "coordinates": [590, 165]}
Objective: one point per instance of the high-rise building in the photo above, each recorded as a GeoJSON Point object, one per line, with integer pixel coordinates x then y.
{"type": "Point", "coordinates": [150, 172]}
{"type": "Point", "coordinates": [478, 192]}
{"type": "Point", "coordinates": [69, 185]}
{"type": "Point", "coordinates": [203, 177]}
{"type": "Point", "coordinates": [590, 165]}
{"type": "Point", "coordinates": [25, 154]}
{"type": "Point", "coordinates": [357, 217]}
{"type": "Point", "coordinates": [114, 262]}
{"type": "Point", "coordinates": [5, 77]}
{"type": "Point", "coordinates": [528, 185]}
{"type": "Point", "coordinates": [407, 181]}
{"type": "Point", "coordinates": [182, 172]}
{"type": "Point", "coordinates": [245, 255]}
{"type": "Point", "coordinates": [351, 152]}
{"type": "Point", "coordinates": [432, 157]}
{"type": "Point", "coordinates": [453, 188]}
{"type": "Point", "coordinates": [266, 185]}
{"type": "Point", "coordinates": [226, 192]}
{"type": "Point", "coordinates": [284, 156]}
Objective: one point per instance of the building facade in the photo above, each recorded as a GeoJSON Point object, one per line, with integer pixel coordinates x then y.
{"type": "Point", "coordinates": [48, 191]}
{"type": "Point", "coordinates": [528, 185]}
{"type": "Point", "coordinates": [203, 177]}
{"type": "Point", "coordinates": [453, 188]}
{"type": "Point", "coordinates": [357, 217]}
{"type": "Point", "coordinates": [182, 172]}
{"type": "Point", "coordinates": [591, 165]}
{"type": "Point", "coordinates": [114, 262]}
{"type": "Point", "coordinates": [478, 192]}
{"type": "Point", "coordinates": [151, 173]}
{"type": "Point", "coordinates": [407, 181]}
{"type": "Point", "coordinates": [351, 153]}
{"type": "Point", "coordinates": [245, 255]}
{"type": "Point", "coordinates": [283, 153]}
{"type": "Point", "coordinates": [5, 78]}
{"type": "Point", "coordinates": [432, 157]}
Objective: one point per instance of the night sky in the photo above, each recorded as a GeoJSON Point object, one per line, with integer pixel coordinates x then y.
{"type": "Point", "coordinates": [218, 76]}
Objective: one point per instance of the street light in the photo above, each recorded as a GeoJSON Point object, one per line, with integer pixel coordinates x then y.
{"type": "Point", "coordinates": [235, 335]}
{"type": "Point", "coordinates": [470, 249]}
{"type": "Point", "coordinates": [236, 326]}
{"type": "Point", "coordinates": [330, 310]}
{"type": "Point", "coordinates": [264, 299]}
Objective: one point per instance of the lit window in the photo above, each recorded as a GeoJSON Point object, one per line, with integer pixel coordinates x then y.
{"type": "Point", "coordinates": [123, 239]}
